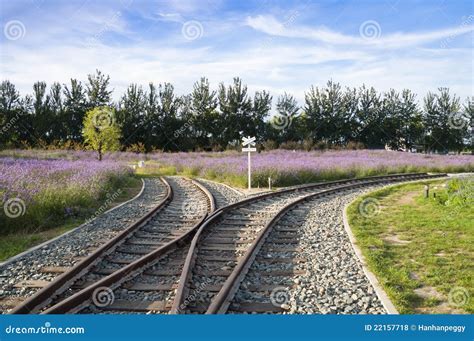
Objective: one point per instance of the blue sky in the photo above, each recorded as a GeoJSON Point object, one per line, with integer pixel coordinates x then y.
{"type": "Point", "coordinates": [274, 45]}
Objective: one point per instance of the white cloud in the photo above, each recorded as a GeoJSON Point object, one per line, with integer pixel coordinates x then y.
{"type": "Point", "coordinates": [271, 26]}
{"type": "Point", "coordinates": [57, 53]}
{"type": "Point", "coordinates": [172, 17]}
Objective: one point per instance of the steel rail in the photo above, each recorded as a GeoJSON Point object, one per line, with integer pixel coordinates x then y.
{"type": "Point", "coordinates": [189, 264]}
{"type": "Point", "coordinates": [82, 297]}
{"type": "Point", "coordinates": [44, 295]}
{"type": "Point", "coordinates": [222, 300]}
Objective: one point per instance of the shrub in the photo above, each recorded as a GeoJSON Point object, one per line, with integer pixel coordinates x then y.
{"type": "Point", "coordinates": [308, 144]}
{"type": "Point", "coordinates": [138, 148]}
{"type": "Point", "coordinates": [269, 145]}
{"type": "Point", "coordinates": [461, 192]}
{"type": "Point", "coordinates": [352, 145]}
{"type": "Point", "coordinates": [291, 145]}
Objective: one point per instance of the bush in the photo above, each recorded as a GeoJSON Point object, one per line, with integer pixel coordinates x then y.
{"type": "Point", "coordinates": [233, 146]}
{"type": "Point", "coordinates": [72, 145]}
{"type": "Point", "coordinates": [291, 145]}
{"type": "Point", "coordinates": [308, 144]}
{"type": "Point", "coordinates": [138, 148]}
{"type": "Point", "coordinates": [216, 148]}
{"type": "Point", "coordinates": [269, 145]}
{"type": "Point", "coordinates": [352, 145]}
{"type": "Point", "coordinates": [461, 192]}
{"type": "Point", "coordinates": [321, 145]}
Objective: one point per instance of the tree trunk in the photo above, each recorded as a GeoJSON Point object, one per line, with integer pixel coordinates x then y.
{"type": "Point", "coordinates": [99, 150]}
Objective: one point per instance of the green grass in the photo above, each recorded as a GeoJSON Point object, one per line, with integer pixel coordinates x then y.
{"type": "Point", "coordinates": [155, 169]}
{"type": "Point", "coordinates": [282, 178]}
{"type": "Point", "coordinates": [420, 249]}
{"type": "Point", "coordinates": [15, 243]}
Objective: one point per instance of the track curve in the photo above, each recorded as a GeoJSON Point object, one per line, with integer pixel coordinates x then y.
{"type": "Point", "coordinates": [184, 206]}
{"type": "Point", "coordinates": [226, 244]}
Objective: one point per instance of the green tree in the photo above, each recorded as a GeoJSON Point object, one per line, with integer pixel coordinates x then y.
{"type": "Point", "coordinates": [98, 92]}
{"type": "Point", "coordinates": [235, 108]}
{"type": "Point", "coordinates": [10, 110]}
{"type": "Point", "coordinates": [369, 128]}
{"type": "Point", "coordinates": [202, 118]}
{"type": "Point", "coordinates": [261, 106]}
{"type": "Point", "coordinates": [56, 112]}
{"type": "Point", "coordinates": [331, 113]}
{"type": "Point", "coordinates": [42, 118]}
{"type": "Point", "coordinates": [131, 115]}
{"type": "Point", "coordinates": [100, 131]}
{"type": "Point", "coordinates": [284, 125]}
{"type": "Point", "coordinates": [161, 117]}
{"type": "Point", "coordinates": [75, 107]}
{"type": "Point", "coordinates": [446, 128]}
{"type": "Point", "coordinates": [403, 120]}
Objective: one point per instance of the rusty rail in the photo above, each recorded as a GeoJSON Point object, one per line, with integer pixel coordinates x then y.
{"type": "Point", "coordinates": [83, 296]}
{"type": "Point", "coordinates": [44, 295]}
{"type": "Point", "coordinates": [221, 301]}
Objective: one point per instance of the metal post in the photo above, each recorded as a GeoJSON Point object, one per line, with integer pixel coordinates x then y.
{"type": "Point", "coordinates": [248, 142]}
{"type": "Point", "coordinates": [249, 171]}
{"type": "Point", "coordinates": [427, 191]}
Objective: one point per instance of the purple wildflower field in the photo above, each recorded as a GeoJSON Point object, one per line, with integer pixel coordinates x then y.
{"type": "Point", "coordinates": [52, 184]}
{"type": "Point", "coordinates": [289, 161]}
{"type": "Point", "coordinates": [26, 178]}
{"type": "Point", "coordinates": [53, 188]}
{"type": "Point", "coordinates": [284, 166]}
{"type": "Point", "coordinates": [294, 167]}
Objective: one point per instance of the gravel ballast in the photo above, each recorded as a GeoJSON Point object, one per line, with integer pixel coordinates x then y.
{"type": "Point", "coordinates": [223, 194]}
{"type": "Point", "coordinates": [334, 281]}
{"type": "Point", "coordinates": [70, 248]}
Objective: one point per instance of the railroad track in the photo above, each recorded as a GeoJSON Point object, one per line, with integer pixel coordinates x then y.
{"type": "Point", "coordinates": [203, 276]}
{"type": "Point", "coordinates": [182, 209]}
{"type": "Point", "coordinates": [226, 245]}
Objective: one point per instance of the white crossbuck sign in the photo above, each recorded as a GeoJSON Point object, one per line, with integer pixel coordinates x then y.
{"type": "Point", "coordinates": [248, 144]}
{"type": "Point", "coordinates": [248, 141]}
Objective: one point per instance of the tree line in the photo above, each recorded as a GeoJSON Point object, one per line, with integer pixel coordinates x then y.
{"type": "Point", "coordinates": [156, 118]}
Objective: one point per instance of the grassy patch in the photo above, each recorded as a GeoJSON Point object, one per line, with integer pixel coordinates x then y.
{"type": "Point", "coordinates": [15, 243]}
{"type": "Point", "coordinates": [260, 177]}
{"type": "Point", "coordinates": [420, 249]}
{"type": "Point", "coordinates": [155, 169]}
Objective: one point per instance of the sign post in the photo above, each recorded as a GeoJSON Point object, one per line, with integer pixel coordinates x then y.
{"type": "Point", "coordinates": [248, 144]}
